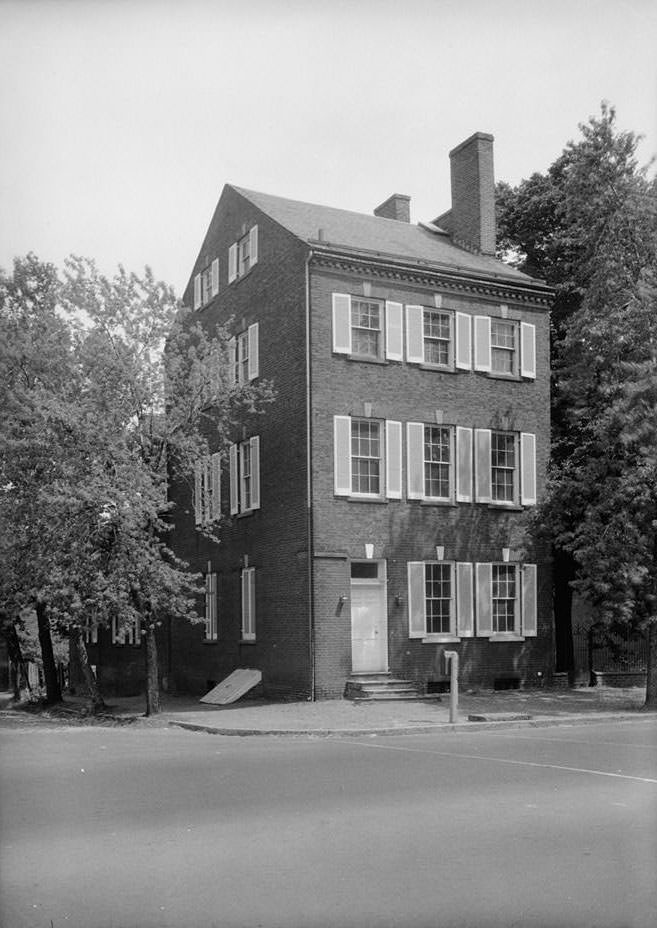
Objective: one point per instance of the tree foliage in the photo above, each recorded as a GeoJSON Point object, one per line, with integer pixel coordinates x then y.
{"type": "Point", "coordinates": [98, 417]}
{"type": "Point", "coordinates": [589, 227]}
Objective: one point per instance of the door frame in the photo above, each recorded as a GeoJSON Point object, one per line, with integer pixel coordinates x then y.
{"type": "Point", "coordinates": [379, 583]}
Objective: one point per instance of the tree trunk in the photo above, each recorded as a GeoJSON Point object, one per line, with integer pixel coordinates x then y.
{"type": "Point", "coordinates": [152, 684]}
{"type": "Point", "coordinates": [97, 701]}
{"type": "Point", "coordinates": [53, 689]}
{"type": "Point", "coordinates": [564, 572]}
{"type": "Point", "coordinates": [651, 676]}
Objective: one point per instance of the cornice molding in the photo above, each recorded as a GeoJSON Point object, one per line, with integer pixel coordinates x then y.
{"type": "Point", "coordinates": [454, 282]}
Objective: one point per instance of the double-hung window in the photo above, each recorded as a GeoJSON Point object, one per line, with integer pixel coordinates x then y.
{"type": "Point", "coordinates": [438, 338]}
{"type": "Point", "coordinates": [207, 490]}
{"type": "Point", "coordinates": [245, 475]}
{"type": "Point", "coordinates": [243, 355]}
{"type": "Point", "coordinates": [440, 596]}
{"type": "Point", "coordinates": [504, 347]}
{"type": "Point", "coordinates": [505, 467]}
{"type": "Point", "coordinates": [211, 622]}
{"type": "Point", "coordinates": [506, 600]}
{"type": "Point", "coordinates": [243, 255]}
{"type": "Point", "coordinates": [248, 604]}
{"type": "Point", "coordinates": [367, 329]}
{"type": "Point", "coordinates": [430, 461]}
{"type": "Point", "coordinates": [367, 457]}
{"type": "Point", "coordinates": [504, 454]}
{"type": "Point", "coordinates": [126, 632]}
{"type": "Point", "coordinates": [206, 284]}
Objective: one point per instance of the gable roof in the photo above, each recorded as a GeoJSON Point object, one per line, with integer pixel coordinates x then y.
{"type": "Point", "coordinates": [424, 244]}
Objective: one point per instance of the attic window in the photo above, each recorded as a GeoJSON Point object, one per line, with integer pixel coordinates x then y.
{"type": "Point", "coordinates": [243, 255]}
{"type": "Point", "coordinates": [206, 284]}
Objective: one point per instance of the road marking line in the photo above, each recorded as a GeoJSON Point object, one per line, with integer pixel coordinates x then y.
{"type": "Point", "coordinates": [615, 744]}
{"type": "Point", "coordinates": [503, 760]}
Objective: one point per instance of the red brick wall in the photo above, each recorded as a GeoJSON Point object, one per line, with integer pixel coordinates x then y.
{"type": "Point", "coordinates": [408, 530]}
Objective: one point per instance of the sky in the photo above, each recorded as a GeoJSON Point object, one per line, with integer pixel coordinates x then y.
{"type": "Point", "coordinates": [121, 120]}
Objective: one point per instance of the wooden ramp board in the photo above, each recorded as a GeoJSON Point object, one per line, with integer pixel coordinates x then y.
{"type": "Point", "coordinates": [229, 690]}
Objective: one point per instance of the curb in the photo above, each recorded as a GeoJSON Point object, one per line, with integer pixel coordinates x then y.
{"type": "Point", "coordinates": [493, 725]}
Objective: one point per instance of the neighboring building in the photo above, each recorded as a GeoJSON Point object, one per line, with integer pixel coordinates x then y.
{"type": "Point", "coordinates": [376, 509]}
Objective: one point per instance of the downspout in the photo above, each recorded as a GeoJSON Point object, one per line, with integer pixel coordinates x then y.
{"type": "Point", "coordinates": [309, 491]}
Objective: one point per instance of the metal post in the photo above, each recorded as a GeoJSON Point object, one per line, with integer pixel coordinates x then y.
{"type": "Point", "coordinates": [452, 662]}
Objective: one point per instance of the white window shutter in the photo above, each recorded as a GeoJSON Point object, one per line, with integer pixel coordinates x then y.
{"type": "Point", "coordinates": [255, 471]}
{"type": "Point", "coordinates": [482, 356]}
{"type": "Point", "coordinates": [415, 459]}
{"type": "Point", "coordinates": [393, 459]}
{"type": "Point", "coordinates": [464, 601]}
{"type": "Point", "coordinates": [215, 511]}
{"type": "Point", "coordinates": [528, 350]}
{"type": "Point", "coordinates": [484, 600]}
{"type": "Point", "coordinates": [234, 481]}
{"type": "Point", "coordinates": [342, 323]}
{"type": "Point", "coordinates": [253, 360]}
{"type": "Point", "coordinates": [482, 465]}
{"type": "Point", "coordinates": [415, 334]}
{"type": "Point", "coordinates": [342, 455]}
{"type": "Point", "coordinates": [463, 338]}
{"type": "Point", "coordinates": [529, 622]}
{"type": "Point", "coordinates": [197, 291]}
{"type": "Point", "coordinates": [253, 246]}
{"type": "Point", "coordinates": [207, 483]}
{"type": "Point", "coordinates": [198, 493]}
{"type": "Point", "coordinates": [527, 469]}
{"type": "Point", "coordinates": [394, 332]}
{"type": "Point", "coordinates": [215, 277]}
{"type": "Point", "coordinates": [463, 465]}
{"type": "Point", "coordinates": [232, 359]}
{"type": "Point", "coordinates": [232, 262]}
{"type": "Point", "coordinates": [117, 634]}
{"type": "Point", "coordinates": [417, 623]}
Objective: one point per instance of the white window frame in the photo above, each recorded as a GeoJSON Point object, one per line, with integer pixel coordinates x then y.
{"type": "Point", "coordinates": [128, 633]}
{"type": "Point", "coordinates": [243, 255]}
{"type": "Point", "coordinates": [515, 470]}
{"type": "Point", "coordinates": [428, 311]}
{"type": "Point", "coordinates": [248, 604]}
{"type": "Point", "coordinates": [245, 481]}
{"type": "Point", "coordinates": [207, 490]}
{"type": "Point", "coordinates": [361, 420]}
{"type": "Point", "coordinates": [450, 464]}
{"type": "Point", "coordinates": [206, 284]}
{"type": "Point", "coordinates": [380, 330]}
{"type": "Point", "coordinates": [461, 613]}
{"type": "Point", "coordinates": [211, 605]}
{"type": "Point", "coordinates": [525, 601]}
{"type": "Point", "coordinates": [243, 355]}
{"type": "Point", "coordinates": [512, 352]}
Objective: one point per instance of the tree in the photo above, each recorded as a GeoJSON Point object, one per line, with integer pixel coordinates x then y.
{"type": "Point", "coordinates": [589, 227]}
{"type": "Point", "coordinates": [88, 488]}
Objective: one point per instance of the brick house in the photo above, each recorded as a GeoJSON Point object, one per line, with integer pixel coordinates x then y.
{"type": "Point", "coordinates": [377, 508]}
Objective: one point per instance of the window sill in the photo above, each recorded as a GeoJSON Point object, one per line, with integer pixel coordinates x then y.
{"type": "Point", "coordinates": [212, 641]}
{"type": "Point", "coordinates": [509, 507]}
{"type": "Point", "coordinates": [440, 639]}
{"type": "Point", "coordinates": [365, 359]}
{"type": "Point", "coordinates": [245, 514]}
{"type": "Point", "coordinates": [438, 502]}
{"type": "Point", "coordinates": [437, 368]}
{"type": "Point", "coordinates": [367, 499]}
{"type": "Point", "coordinates": [496, 375]}
{"type": "Point", "coordinates": [503, 636]}
{"type": "Point", "coordinates": [247, 641]}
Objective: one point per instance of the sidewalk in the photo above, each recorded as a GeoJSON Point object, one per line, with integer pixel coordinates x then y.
{"type": "Point", "coordinates": [484, 709]}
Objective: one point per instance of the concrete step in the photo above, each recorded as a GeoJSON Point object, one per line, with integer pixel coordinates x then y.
{"type": "Point", "coordinates": [379, 687]}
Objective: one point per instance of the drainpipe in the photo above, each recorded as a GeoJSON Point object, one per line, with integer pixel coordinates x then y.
{"type": "Point", "coordinates": [452, 664]}
{"type": "Point", "coordinates": [309, 491]}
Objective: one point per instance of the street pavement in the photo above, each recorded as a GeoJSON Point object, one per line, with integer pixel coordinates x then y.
{"type": "Point", "coordinates": [153, 826]}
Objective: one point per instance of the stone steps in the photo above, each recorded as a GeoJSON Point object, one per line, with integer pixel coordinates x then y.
{"type": "Point", "coordinates": [378, 687]}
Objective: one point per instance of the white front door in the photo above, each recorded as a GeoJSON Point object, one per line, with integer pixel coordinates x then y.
{"type": "Point", "coordinates": [369, 618]}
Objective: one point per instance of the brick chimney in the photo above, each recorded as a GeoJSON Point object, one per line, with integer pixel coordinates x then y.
{"type": "Point", "coordinates": [398, 207]}
{"type": "Point", "coordinates": [471, 220]}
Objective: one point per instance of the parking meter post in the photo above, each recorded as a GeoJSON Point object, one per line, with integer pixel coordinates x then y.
{"type": "Point", "coordinates": [452, 662]}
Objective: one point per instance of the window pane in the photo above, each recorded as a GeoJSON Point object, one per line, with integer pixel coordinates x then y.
{"type": "Point", "coordinates": [436, 461]}
{"type": "Point", "coordinates": [365, 328]}
{"type": "Point", "coordinates": [503, 461]}
{"type": "Point", "coordinates": [438, 592]}
{"type": "Point", "coordinates": [437, 337]}
{"type": "Point", "coordinates": [365, 456]}
{"type": "Point", "coordinates": [503, 337]}
{"type": "Point", "coordinates": [504, 597]}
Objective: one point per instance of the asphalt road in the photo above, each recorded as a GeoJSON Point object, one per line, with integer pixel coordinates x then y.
{"type": "Point", "coordinates": [155, 828]}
